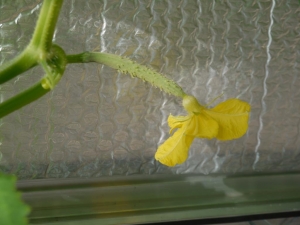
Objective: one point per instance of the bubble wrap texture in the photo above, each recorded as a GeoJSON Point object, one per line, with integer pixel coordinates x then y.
{"type": "Point", "coordinates": [98, 122]}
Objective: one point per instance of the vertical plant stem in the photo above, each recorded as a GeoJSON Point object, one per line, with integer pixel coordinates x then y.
{"type": "Point", "coordinates": [39, 45]}
{"type": "Point", "coordinates": [45, 27]}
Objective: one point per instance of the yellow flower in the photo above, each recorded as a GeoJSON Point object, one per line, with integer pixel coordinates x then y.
{"type": "Point", "coordinates": [226, 121]}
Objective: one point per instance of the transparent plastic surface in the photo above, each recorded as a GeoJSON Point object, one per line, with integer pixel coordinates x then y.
{"type": "Point", "coordinates": [98, 122]}
{"type": "Point", "coordinates": [161, 198]}
{"type": "Point", "coordinates": [281, 221]}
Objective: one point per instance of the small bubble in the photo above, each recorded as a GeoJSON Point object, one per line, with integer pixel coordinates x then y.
{"type": "Point", "coordinates": [104, 145]}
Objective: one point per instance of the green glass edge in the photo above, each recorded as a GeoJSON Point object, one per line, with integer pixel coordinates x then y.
{"type": "Point", "coordinates": [145, 199]}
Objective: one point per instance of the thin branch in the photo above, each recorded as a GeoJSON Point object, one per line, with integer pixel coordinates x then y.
{"type": "Point", "coordinates": [22, 99]}
{"type": "Point", "coordinates": [18, 65]}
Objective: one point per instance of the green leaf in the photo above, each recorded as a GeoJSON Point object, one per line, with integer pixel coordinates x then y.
{"type": "Point", "coordinates": [12, 210]}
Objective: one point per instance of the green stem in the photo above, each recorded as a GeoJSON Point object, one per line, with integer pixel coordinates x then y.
{"type": "Point", "coordinates": [54, 68]}
{"type": "Point", "coordinates": [125, 65]}
{"type": "Point", "coordinates": [17, 66]}
{"type": "Point", "coordinates": [40, 44]}
{"type": "Point", "coordinates": [22, 99]}
{"type": "Point", "coordinates": [77, 58]}
{"type": "Point", "coordinates": [45, 27]}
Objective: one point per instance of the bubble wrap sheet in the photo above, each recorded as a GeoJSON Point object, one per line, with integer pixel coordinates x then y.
{"type": "Point", "coordinates": [98, 122]}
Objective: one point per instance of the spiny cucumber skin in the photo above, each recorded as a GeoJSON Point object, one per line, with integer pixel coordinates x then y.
{"type": "Point", "coordinates": [125, 65]}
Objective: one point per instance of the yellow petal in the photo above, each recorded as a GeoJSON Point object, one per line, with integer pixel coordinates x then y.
{"type": "Point", "coordinates": [232, 117]}
{"type": "Point", "coordinates": [202, 126]}
{"type": "Point", "coordinates": [176, 121]}
{"type": "Point", "coordinates": [175, 149]}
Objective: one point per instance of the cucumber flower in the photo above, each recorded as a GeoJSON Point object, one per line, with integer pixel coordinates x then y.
{"type": "Point", "coordinates": [226, 121]}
